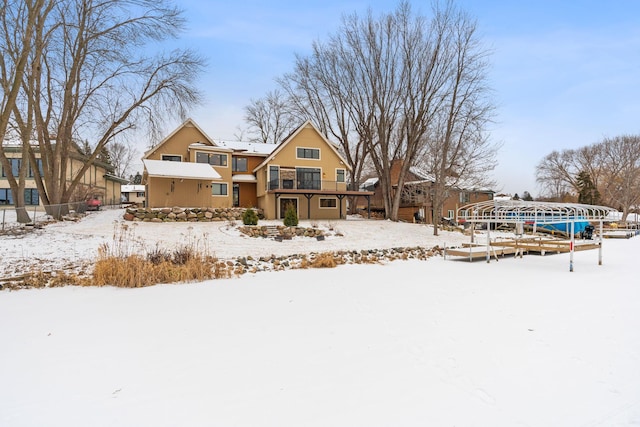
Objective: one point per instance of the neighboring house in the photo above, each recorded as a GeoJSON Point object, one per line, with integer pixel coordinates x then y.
{"type": "Point", "coordinates": [305, 171]}
{"type": "Point", "coordinates": [133, 194]}
{"type": "Point", "coordinates": [97, 182]}
{"type": "Point", "coordinates": [416, 202]}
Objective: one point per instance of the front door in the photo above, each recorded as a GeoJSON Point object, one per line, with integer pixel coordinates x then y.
{"type": "Point", "coordinates": [285, 203]}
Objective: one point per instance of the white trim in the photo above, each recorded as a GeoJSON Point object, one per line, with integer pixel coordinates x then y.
{"type": "Point", "coordinates": [328, 198]}
{"type": "Point", "coordinates": [214, 153]}
{"type": "Point", "coordinates": [220, 183]}
{"type": "Point", "coordinates": [309, 158]}
{"type": "Point", "coordinates": [171, 155]}
{"type": "Point", "coordinates": [345, 175]}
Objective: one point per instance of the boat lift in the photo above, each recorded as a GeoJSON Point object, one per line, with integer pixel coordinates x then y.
{"type": "Point", "coordinates": [521, 213]}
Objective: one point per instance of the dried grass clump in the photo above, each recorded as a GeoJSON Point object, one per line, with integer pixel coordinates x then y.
{"type": "Point", "coordinates": [117, 265]}
{"type": "Point", "coordinates": [324, 260]}
{"type": "Point", "coordinates": [136, 271]}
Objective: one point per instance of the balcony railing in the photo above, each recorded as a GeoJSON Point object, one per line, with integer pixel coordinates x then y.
{"type": "Point", "coordinates": [293, 184]}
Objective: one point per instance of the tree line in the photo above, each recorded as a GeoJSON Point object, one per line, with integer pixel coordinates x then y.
{"type": "Point", "coordinates": [398, 86]}
{"type": "Point", "coordinates": [605, 173]}
{"type": "Point", "coordinates": [85, 70]}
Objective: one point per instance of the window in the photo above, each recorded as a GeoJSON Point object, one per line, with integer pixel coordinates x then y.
{"type": "Point", "coordinates": [39, 165]}
{"type": "Point", "coordinates": [328, 203]}
{"type": "Point", "coordinates": [464, 197]}
{"type": "Point", "coordinates": [218, 189]}
{"type": "Point", "coordinates": [214, 159]}
{"type": "Point", "coordinates": [274, 177]}
{"type": "Point", "coordinates": [308, 153]}
{"type": "Point", "coordinates": [31, 196]}
{"type": "Point", "coordinates": [15, 168]}
{"type": "Point", "coordinates": [5, 196]}
{"type": "Point", "coordinates": [340, 175]}
{"type": "Point", "coordinates": [236, 195]}
{"type": "Point", "coordinates": [239, 164]}
{"type": "Point", "coordinates": [308, 178]}
{"type": "Point", "coordinates": [140, 194]}
{"type": "Point", "coordinates": [451, 214]}
{"type": "Point", "coordinates": [171, 158]}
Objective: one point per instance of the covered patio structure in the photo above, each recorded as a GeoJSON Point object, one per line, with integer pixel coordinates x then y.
{"type": "Point", "coordinates": [536, 214]}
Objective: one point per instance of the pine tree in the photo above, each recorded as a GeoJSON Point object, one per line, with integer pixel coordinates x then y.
{"type": "Point", "coordinates": [587, 191]}
{"type": "Point", "coordinates": [249, 217]}
{"type": "Point", "coordinates": [291, 217]}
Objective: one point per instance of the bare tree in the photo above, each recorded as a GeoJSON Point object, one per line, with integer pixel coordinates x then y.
{"type": "Point", "coordinates": [21, 23]}
{"type": "Point", "coordinates": [122, 156]}
{"type": "Point", "coordinates": [311, 95]}
{"type": "Point", "coordinates": [380, 85]}
{"type": "Point", "coordinates": [556, 173]}
{"type": "Point", "coordinates": [622, 165]}
{"type": "Point", "coordinates": [458, 152]}
{"type": "Point", "coordinates": [613, 165]}
{"type": "Point", "coordinates": [91, 79]}
{"type": "Point", "coordinates": [269, 118]}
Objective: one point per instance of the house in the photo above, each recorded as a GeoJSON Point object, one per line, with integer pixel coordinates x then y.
{"type": "Point", "coordinates": [133, 194]}
{"type": "Point", "coordinates": [416, 201]}
{"type": "Point", "coordinates": [305, 171]}
{"type": "Point", "coordinates": [98, 180]}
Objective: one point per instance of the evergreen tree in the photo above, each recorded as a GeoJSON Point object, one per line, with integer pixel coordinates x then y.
{"type": "Point", "coordinates": [587, 191]}
{"type": "Point", "coordinates": [291, 217]}
{"type": "Point", "coordinates": [516, 197]}
{"type": "Point", "coordinates": [249, 217]}
{"type": "Point", "coordinates": [526, 196]}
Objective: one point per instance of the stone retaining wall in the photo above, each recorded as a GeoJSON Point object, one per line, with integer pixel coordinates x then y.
{"type": "Point", "coordinates": [177, 214]}
{"type": "Point", "coordinates": [280, 230]}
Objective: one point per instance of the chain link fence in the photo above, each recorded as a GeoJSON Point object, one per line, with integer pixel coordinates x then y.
{"type": "Point", "coordinates": [39, 215]}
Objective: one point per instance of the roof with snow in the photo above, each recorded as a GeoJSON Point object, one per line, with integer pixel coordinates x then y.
{"type": "Point", "coordinates": [132, 188]}
{"type": "Point", "coordinates": [251, 148]}
{"type": "Point", "coordinates": [182, 170]}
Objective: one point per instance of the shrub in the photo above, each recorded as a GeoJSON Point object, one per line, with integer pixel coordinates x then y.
{"type": "Point", "coordinates": [249, 217]}
{"type": "Point", "coordinates": [291, 217]}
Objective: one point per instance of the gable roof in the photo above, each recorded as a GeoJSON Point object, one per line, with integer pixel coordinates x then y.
{"type": "Point", "coordinates": [293, 134]}
{"type": "Point", "coordinates": [182, 170]}
{"type": "Point", "coordinates": [188, 122]}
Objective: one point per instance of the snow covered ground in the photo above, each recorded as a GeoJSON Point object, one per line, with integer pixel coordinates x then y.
{"type": "Point", "coordinates": [519, 342]}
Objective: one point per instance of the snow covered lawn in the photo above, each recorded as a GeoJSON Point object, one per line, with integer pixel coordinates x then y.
{"type": "Point", "coordinates": [519, 342]}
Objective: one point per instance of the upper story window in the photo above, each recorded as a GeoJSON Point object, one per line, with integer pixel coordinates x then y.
{"type": "Point", "coordinates": [307, 153]}
{"type": "Point", "coordinates": [464, 197]}
{"type": "Point", "coordinates": [309, 178]}
{"type": "Point", "coordinates": [214, 159]}
{"type": "Point", "coordinates": [274, 177]}
{"type": "Point", "coordinates": [171, 158]}
{"type": "Point", "coordinates": [39, 165]}
{"type": "Point", "coordinates": [15, 168]}
{"type": "Point", "coordinates": [340, 175]}
{"type": "Point", "coordinates": [239, 164]}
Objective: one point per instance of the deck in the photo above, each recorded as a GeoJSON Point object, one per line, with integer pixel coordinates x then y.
{"type": "Point", "coordinates": [542, 245]}
{"type": "Point", "coordinates": [474, 251]}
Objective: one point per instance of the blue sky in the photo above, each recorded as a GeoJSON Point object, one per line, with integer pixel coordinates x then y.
{"type": "Point", "coordinates": [564, 74]}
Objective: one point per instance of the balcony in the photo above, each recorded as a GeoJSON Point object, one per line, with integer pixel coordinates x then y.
{"type": "Point", "coordinates": [317, 185]}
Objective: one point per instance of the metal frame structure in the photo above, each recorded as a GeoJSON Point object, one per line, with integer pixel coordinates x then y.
{"type": "Point", "coordinates": [533, 213]}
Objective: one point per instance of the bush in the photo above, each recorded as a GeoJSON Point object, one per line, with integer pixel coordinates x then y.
{"type": "Point", "coordinates": [249, 217]}
{"type": "Point", "coordinates": [291, 217]}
